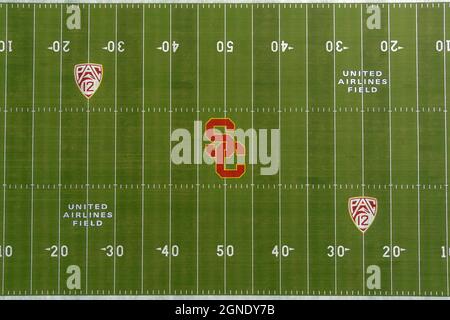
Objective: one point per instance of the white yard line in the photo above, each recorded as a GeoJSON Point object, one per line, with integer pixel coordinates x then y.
{"type": "Point", "coordinates": [32, 152]}
{"type": "Point", "coordinates": [59, 152]}
{"type": "Point", "coordinates": [199, 155]}
{"type": "Point", "coordinates": [115, 155]}
{"type": "Point", "coordinates": [87, 158]}
{"type": "Point", "coordinates": [362, 141]}
{"type": "Point", "coordinates": [4, 151]}
{"type": "Point", "coordinates": [390, 152]}
{"type": "Point", "coordinates": [253, 182]}
{"type": "Point", "coordinates": [143, 151]}
{"type": "Point", "coordinates": [418, 155]}
{"type": "Point", "coordinates": [334, 148]}
{"type": "Point", "coordinates": [170, 144]}
{"type": "Point", "coordinates": [446, 149]}
{"type": "Point", "coordinates": [307, 149]}
{"type": "Point", "coordinates": [279, 170]}
{"type": "Point", "coordinates": [224, 179]}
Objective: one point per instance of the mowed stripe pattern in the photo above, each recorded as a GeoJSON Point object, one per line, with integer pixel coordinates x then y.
{"type": "Point", "coordinates": [174, 230]}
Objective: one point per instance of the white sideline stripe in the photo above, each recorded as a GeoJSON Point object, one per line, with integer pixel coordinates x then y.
{"type": "Point", "coordinates": [418, 155]}
{"type": "Point", "coordinates": [32, 151]}
{"type": "Point", "coordinates": [307, 150]}
{"type": "Point", "coordinates": [334, 149]}
{"type": "Point", "coordinates": [390, 152]}
{"type": "Point", "coordinates": [446, 156]}
{"type": "Point", "coordinates": [252, 185]}
{"type": "Point", "coordinates": [4, 150]}
{"type": "Point", "coordinates": [143, 151]}
{"type": "Point", "coordinates": [223, 1]}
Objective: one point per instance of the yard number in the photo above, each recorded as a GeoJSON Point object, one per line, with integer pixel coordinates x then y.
{"type": "Point", "coordinates": [5, 45]}
{"type": "Point", "coordinates": [339, 251]}
{"type": "Point", "coordinates": [112, 46]}
{"type": "Point", "coordinates": [165, 46]}
{"type": "Point", "coordinates": [395, 252]}
{"type": "Point", "coordinates": [56, 251]}
{"type": "Point", "coordinates": [337, 46]}
{"type": "Point", "coordinates": [220, 46]}
{"type": "Point", "coordinates": [285, 251]}
{"type": "Point", "coordinates": [221, 250]}
{"type": "Point", "coordinates": [282, 46]}
{"type": "Point", "coordinates": [110, 251]}
{"type": "Point", "coordinates": [174, 251]}
{"type": "Point", "coordinates": [7, 251]}
{"type": "Point", "coordinates": [393, 46]}
{"type": "Point", "coordinates": [57, 46]}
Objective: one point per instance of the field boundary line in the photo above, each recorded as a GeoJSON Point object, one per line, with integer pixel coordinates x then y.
{"type": "Point", "coordinates": [446, 150]}
{"type": "Point", "coordinates": [307, 147]}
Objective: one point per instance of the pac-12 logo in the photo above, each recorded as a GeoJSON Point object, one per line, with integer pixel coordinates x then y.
{"type": "Point", "coordinates": [223, 147]}
{"type": "Point", "coordinates": [88, 77]}
{"type": "Point", "coordinates": [363, 211]}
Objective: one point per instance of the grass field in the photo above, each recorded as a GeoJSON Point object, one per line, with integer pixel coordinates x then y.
{"type": "Point", "coordinates": [59, 149]}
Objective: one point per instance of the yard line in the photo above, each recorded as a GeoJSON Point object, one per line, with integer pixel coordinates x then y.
{"type": "Point", "coordinates": [115, 155]}
{"type": "Point", "coordinates": [446, 149]}
{"type": "Point", "coordinates": [307, 150]}
{"type": "Point", "coordinates": [279, 128]}
{"type": "Point", "coordinates": [418, 154]}
{"type": "Point", "coordinates": [199, 151]}
{"type": "Point", "coordinates": [170, 144]}
{"type": "Point", "coordinates": [253, 184]}
{"type": "Point", "coordinates": [59, 153]}
{"type": "Point", "coordinates": [390, 148]}
{"type": "Point", "coordinates": [143, 150]}
{"type": "Point", "coordinates": [362, 139]}
{"type": "Point", "coordinates": [334, 147]}
{"type": "Point", "coordinates": [4, 149]}
{"type": "Point", "coordinates": [87, 157]}
{"type": "Point", "coordinates": [224, 179]}
{"type": "Point", "coordinates": [32, 151]}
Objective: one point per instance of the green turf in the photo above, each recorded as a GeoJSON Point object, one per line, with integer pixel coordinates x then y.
{"type": "Point", "coordinates": [61, 149]}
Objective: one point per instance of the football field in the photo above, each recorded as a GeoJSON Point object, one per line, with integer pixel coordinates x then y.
{"type": "Point", "coordinates": [350, 98]}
